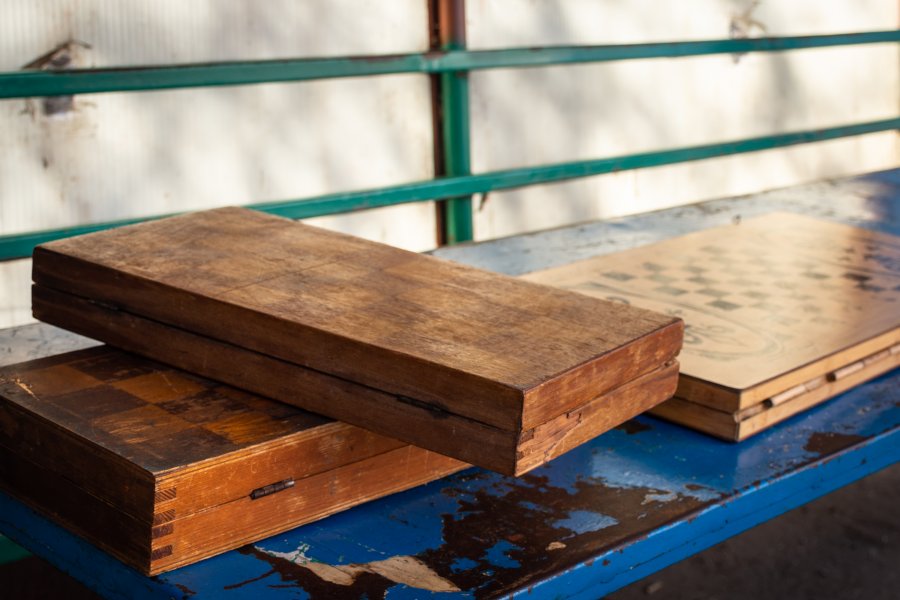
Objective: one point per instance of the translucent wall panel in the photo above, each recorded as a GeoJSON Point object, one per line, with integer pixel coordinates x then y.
{"type": "Point", "coordinates": [533, 116]}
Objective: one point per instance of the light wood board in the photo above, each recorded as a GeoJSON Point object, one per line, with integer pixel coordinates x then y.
{"type": "Point", "coordinates": [769, 303]}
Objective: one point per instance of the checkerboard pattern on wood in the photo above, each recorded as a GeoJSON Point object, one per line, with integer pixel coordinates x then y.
{"type": "Point", "coordinates": [162, 468]}
{"type": "Point", "coordinates": [770, 304]}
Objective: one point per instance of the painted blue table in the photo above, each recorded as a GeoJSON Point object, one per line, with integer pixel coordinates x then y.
{"type": "Point", "coordinates": [615, 510]}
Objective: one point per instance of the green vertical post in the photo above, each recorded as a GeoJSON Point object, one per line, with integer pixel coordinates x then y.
{"type": "Point", "coordinates": [457, 215]}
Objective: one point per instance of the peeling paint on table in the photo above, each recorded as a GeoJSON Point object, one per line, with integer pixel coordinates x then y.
{"type": "Point", "coordinates": [587, 523]}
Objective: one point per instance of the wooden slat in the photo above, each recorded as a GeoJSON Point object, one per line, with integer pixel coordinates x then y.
{"type": "Point", "coordinates": [448, 347]}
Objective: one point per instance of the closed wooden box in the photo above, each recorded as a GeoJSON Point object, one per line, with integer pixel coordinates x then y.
{"type": "Point", "coordinates": [485, 368]}
{"type": "Point", "coordinates": [161, 468]}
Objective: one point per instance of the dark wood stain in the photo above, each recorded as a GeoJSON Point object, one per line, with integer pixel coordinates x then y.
{"type": "Point", "coordinates": [167, 494]}
{"type": "Point", "coordinates": [248, 551]}
{"type": "Point", "coordinates": [162, 530]}
{"type": "Point", "coordinates": [188, 592]}
{"type": "Point", "coordinates": [164, 517]}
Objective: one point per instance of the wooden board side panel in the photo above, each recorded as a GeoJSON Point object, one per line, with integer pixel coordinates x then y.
{"type": "Point", "coordinates": [626, 363]}
{"type": "Point", "coordinates": [472, 442]}
{"type": "Point", "coordinates": [294, 458]}
{"type": "Point", "coordinates": [776, 414]}
{"type": "Point", "coordinates": [576, 427]}
{"type": "Point", "coordinates": [718, 398]}
{"type": "Point", "coordinates": [732, 426]}
{"type": "Point", "coordinates": [825, 366]}
{"type": "Point", "coordinates": [720, 424]}
{"type": "Point", "coordinates": [236, 523]}
{"type": "Point", "coordinates": [709, 394]}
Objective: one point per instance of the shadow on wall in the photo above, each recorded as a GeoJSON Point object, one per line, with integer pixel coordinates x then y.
{"type": "Point", "coordinates": [120, 155]}
{"type": "Point", "coordinates": [538, 116]}
{"type": "Point", "coordinates": [113, 156]}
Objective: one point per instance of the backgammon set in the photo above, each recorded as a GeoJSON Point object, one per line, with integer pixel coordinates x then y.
{"type": "Point", "coordinates": [498, 372]}
{"type": "Point", "coordinates": [238, 323]}
{"type": "Point", "coordinates": [162, 468]}
{"type": "Point", "coordinates": [782, 312]}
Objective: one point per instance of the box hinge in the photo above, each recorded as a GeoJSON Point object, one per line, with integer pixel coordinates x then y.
{"type": "Point", "coordinates": [272, 488]}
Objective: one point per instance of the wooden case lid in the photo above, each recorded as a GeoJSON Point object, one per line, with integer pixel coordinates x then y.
{"type": "Point", "coordinates": [501, 352]}
{"type": "Point", "coordinates": [105, 417]}
{"type": "Point", "coordinates": [769, 303]}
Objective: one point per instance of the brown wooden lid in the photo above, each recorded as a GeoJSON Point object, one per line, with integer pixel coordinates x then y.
{"type": "Point", "coordinates": [505, 352]}
{"type": "Point", "coordinates": [107, 421]}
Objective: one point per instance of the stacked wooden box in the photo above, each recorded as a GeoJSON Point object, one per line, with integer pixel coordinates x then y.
{"type": "Point", "coordinates": [161, 468]}
{"type": "Point", "coordinates": [467, 366]}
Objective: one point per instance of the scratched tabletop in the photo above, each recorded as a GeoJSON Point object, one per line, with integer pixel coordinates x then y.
{"type": "Point", "coordinates": [617, 509]}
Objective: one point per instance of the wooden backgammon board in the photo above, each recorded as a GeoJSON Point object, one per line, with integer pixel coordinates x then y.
{"type": "Point", "coordinates": [781, 312]}
{"type": "Point", "coordinates": [485, 368]}
{"type": "Point", "coordinates": [162, 468]}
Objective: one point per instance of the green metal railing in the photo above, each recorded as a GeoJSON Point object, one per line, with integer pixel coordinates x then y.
{"type": "Point", "coordinates": [453, 59]}
{"type": "Point", "coordinates": [451, 63]}
{"type": "Point", "coordinates": [21, 245]}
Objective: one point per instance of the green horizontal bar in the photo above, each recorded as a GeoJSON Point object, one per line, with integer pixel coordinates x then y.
{"type": "Point", "coordinates": [23, 84]}
{"type": "Point", "coordinates": [451, 187]}
{"type": "Point", "coordinates": [21, 245]}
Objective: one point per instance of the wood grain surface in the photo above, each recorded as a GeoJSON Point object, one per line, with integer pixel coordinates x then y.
{"type": "Point", "coordinates": [445, 345]}
{"type": "Point", "coordinates": [769, 303]}
{"type": "Point", "coordinates": [157, 466]}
